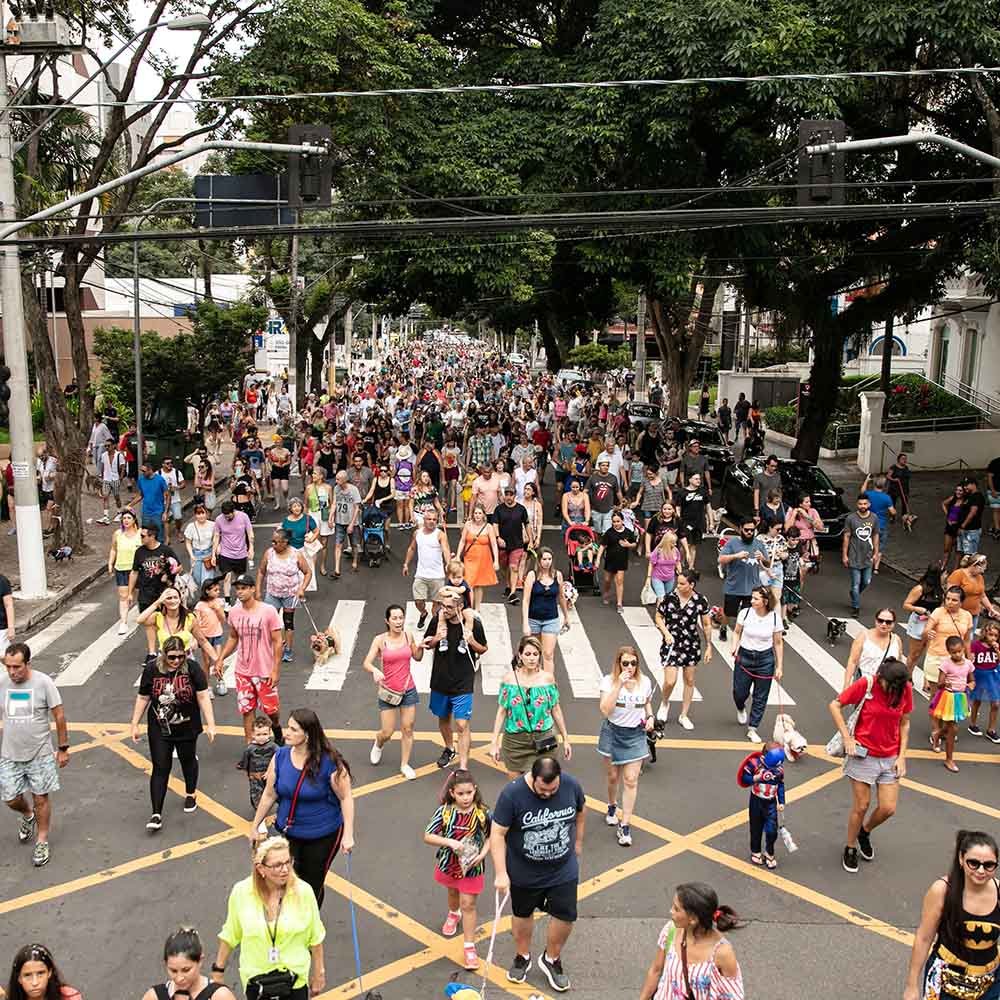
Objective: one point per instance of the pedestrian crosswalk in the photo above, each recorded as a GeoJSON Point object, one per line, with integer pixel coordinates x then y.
{"type": "Point", "coordinates": [584, 652]}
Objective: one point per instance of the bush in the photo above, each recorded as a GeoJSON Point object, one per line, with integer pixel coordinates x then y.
{"type": "Point", "coordinates": [37, 412]}
{"type": "Point", "coordinates": [781, 419]}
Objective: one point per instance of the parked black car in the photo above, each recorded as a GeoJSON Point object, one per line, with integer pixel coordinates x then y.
{"type": "Point", "coordinates": [797, 478]}
{"type": "Point", "coordinates": [713, 445]}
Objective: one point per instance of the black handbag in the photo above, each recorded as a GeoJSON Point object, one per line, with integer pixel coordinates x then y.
{"type": "Point", "coordinates": [277, 984]}
{"type": "Point", "coordinates": [543, 742]}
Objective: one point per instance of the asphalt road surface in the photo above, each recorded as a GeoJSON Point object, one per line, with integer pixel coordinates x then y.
{"type": "Point", "coordinates": [111, 892]}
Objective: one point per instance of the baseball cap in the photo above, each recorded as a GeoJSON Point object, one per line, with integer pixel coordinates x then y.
{"type": "Point", "coordinates": [509, 489]}
{"type": "Point", "coordinates": [244, 580]}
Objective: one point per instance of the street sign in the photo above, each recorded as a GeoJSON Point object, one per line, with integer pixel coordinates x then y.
{"type": "Point", "coordinates": [258, 341]}
{"type": "Point", "coordinates": [275, 327]}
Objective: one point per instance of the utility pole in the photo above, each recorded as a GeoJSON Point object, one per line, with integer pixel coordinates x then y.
{"type": "Point", "coordinates": [348, 343]}
{"type": "Point", "coordinates": [640, 349]}
{"type": "Point", "coordinates": [30, 548]}
{"type": "Point", "coordinates": [746, 336]}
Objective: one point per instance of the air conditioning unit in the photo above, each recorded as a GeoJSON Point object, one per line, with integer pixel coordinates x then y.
{"type": "Point", "coordinates": [45, 33]}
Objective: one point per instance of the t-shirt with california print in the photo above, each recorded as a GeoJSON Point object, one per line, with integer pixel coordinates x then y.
{"type": "Point", "coordinates": [541, 834]}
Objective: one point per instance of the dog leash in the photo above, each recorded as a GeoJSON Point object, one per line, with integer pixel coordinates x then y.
{"type": "Point", "coordinates": [312, 621]}
{"type": "Point", "coordinates": [354, 926]}
{"type": "Point", "coordinates": [499, 903]}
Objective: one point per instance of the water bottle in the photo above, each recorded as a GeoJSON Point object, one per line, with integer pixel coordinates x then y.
{"type": "Point", "coordinates": [220, 688]}
{"type": "Point", "coordinates": [786, 839]}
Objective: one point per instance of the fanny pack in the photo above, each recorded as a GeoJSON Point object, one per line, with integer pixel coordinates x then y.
{"type": "Point", "coordinates": [389, 696]}
{"type": "Point", "coordinates": [274, 985]}
{"type": "Point", "coordinates": [962, 986]}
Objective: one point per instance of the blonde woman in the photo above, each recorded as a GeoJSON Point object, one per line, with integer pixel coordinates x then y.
{"type": "Point", "coordinates": [625, 703]}
{"type": "Point", "coordinates": [528, 712]}
{"type": "Point", "coordinates": [479, 552]}
{"type": "Point", "coordinates": [125, 543]}
{"type": "Point", "coordinates": [665, 559]}
{"type": "Point", "coordinates": [291, 926]}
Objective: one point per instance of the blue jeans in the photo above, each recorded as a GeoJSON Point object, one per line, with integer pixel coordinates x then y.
{"type": "Point", "coordinates": [860, 578]}
{"type": "Point", "coordinates": [968, 541]}
{"type": "Point", "coordinates": [662, 587]}
{"type": "Point", "coordinates": [761, 664]}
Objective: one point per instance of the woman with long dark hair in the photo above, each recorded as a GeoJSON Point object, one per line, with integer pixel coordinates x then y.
{"type": "Point", "coordinates": [183, 957]}
{"type": "Point", "coordinates": [758, 655]}
{"type": "Point", "coordinates": [875, 754]}
{"type": "Point", "coordinates": [955, 953]}
{"type": "Point", "coordinates": [925, 597]}
{"type": "Point", "coordinates": [35, 976]}
{"type": "Point", "coordinates": [693, 959]}
{"type": "Point", "coordinates": [300, 777]}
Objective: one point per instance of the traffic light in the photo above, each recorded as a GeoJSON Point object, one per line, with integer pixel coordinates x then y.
{"type": "Point", "coordinates": [821, 175]}
{"type": "Point", "coordinates": [310, 176]}
{"type": "Point", "coordinates": [4, 395]}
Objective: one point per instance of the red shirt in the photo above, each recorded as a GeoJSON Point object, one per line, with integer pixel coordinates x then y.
{"type": "Point", "coordinates": [878, 725]}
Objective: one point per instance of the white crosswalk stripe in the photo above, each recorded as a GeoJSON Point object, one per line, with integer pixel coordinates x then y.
{"type": "Point", "coordinates": [87, 663]}
{"type": "Point", "coordinates": [495, 662]}
{"type": "Point", "coordinates": [63, 624]}
{"type": "Point", "coordinates": [580, 660]}
{"type": "Point", "coordinates": [647, 639]}
{"type": "Point", "coordinates": [776, 696]}
{"type": "Point", "coordinates": [346, 620]}
{"type": "Point", "coordinates": [826, 665]}
{"type": "Point", "coordinates": [421, 669]}
{"type": "Point", "coordinates": [855, 628]}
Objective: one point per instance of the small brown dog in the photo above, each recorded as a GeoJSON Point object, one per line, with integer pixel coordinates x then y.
{"type": "Point", "coordinates": [325, 645]}
{"type": "Point", "coordinates": [909, 520]}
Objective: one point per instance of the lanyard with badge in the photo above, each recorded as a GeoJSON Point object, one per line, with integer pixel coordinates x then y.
{"type": "Point", "coordinates": [273, 954]}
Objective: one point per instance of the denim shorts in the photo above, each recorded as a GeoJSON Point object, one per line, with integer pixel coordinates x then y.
{"type": "Point", "coordinates": [550, 627]}
{"type": "Point", "coordinates": [410, 697]}
{"type": "Point", "coordinates": [340, 533]}
{"type": "Point", "coordinates": [216, 641]}
{"type": "Point", "coordinates": [968, 541]}
{"type": "Point", "coordinates": [871, 770]}
{"type": "Point", "coordinates": [282, 603]}
{"type": "Point", "coordinates": [121, 577]}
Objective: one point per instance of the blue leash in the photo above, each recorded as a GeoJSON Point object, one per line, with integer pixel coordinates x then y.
{"type": "Point", "coordinates": [354, 926]}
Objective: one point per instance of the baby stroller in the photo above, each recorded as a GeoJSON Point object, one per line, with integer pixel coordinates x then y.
{"type": "Point", "coordinates": [576, 536]}
{"type": "Point", "coordinates": [373, 547]}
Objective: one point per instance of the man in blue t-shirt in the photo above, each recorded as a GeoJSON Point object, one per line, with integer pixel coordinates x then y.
{"type": "Point", "coordinates": [881, 507]}
{"type": "Point", "coordinates": [740, 559]}
{"type": "Point", "coordinates": [154, 491]}
{"type": "Point", "coordinates": [536, 841]}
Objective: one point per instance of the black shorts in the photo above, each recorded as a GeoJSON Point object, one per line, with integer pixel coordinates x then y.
{"type": "Point", "coordinates": [279, 472]}
{"type": "Point", "coordinates": [557, 901]}
{"type": "Point", "coordinates": [733, 604]}
{"type": "Point", "coordinates": [235, 566]}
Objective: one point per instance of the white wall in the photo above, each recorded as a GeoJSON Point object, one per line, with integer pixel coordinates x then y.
{"type": "Point", "coordinates": [939, 450]}
{"type": "Point", "coordinates": [160, 295]}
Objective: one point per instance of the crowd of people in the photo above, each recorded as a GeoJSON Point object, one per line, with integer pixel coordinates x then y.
{"type": "Point", "coordinates": [453, 476]}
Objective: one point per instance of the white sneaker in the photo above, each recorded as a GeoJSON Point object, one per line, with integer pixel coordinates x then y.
{"type": "Point", "coordinates": [741, 716]}
{"type": "Point", "coordinates": [376, 755]}
{"type": "Point", "coordinates": [753, 736]}
{"type": "Point", "coordinates": [406, 771]}
{"type": "Point", "coordinates": [685, 722]}
{"type": "Point", "coordinates": [122, 628]}
{"type": "Point", "coordinates": [663, 712]}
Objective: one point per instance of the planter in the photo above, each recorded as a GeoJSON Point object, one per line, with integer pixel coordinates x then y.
{"type": "Point", "coordinates": [786, 443]}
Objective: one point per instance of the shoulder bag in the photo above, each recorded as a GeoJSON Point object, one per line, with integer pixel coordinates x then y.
{"type": "Point", "coordinates": [835, 746]}
{"type": "Point", "coordinates": [277, 984]}
{"type": "Point", "coordinates": [544, 743]}
{"type": "Point", "coordinates": [688, 992]}
{"type": "Point", "coordinates": [387, 694]}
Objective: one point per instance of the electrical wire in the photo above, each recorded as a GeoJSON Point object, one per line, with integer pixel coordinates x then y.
{"type": "Point", "coordinates": [508, 88]}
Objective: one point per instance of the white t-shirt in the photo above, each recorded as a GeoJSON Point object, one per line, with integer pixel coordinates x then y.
{"type": "Point", "coordinates": [111, 466]}
{"type": "Point", "coordinates": [758, 631]}
{"type": "Point", "coordinates": [47, 470]}
{"type": "Point", "coordinates": [200, 535]}
{"type": "Point", "coordinates": [630, 708]}
{"type": "Point", "coordinates": [614, 459]}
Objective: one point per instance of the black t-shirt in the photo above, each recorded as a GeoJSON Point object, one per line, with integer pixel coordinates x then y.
{"type": "Point", "coordinates": [5, 589]}
{"type": "Point", "coordinates": [994, 470]}
{"type": "Point", "coordinates": [509, 521]}
{"type": "Point", "coordinates": [173, 701]}
{"type": "Point", "coordinates": [649, 446]}
{"type": "Point", "coordinates": [971, 500]}
{"type": "Point", "coordinates": [327, 461]}
{"type": "Point", "coordinates": [154, 571]}
{"type": "Point", "coordinates": [454, 672]}
{"type": "Point", "coordinates": [656, 528]}
{"type": "Point", "coordinates": [693, 509]}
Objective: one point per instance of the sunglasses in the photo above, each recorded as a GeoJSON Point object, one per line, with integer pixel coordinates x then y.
{"type": "Point", "coordinates": [975, 864]}
{"type": "Point", "coordinates": [886, 621]}
{"type": "Point", "coordinates": [630, 663]}
{"type": "Point", "coordinates": [175, 656]}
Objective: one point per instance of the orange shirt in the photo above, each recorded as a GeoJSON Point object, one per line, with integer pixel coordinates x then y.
{"type": "Point", "coordinates": [974, 587]}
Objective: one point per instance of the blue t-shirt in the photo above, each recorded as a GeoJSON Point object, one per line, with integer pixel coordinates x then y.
{"type": "Point", "coordinates": [742, 575]}
{"type": "Point", "coordinates": [881, 502]}
{"type": "Point", "coordinates": [541, 833]}
{"type": "Point", "coordinates": [154, 491]}
{"type": "Point", "coordinates": [317, 809]}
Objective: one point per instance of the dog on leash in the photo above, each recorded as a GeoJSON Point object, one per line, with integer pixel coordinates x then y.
{"type": "Point", "coordinates": [713, 520]}
{"type": "Point", "coordinates": [91, 483]}
{"type": "Point", "coordinates": [835, 628]}
{"type": "Point", "coordinates": [909, 520]}
{"type": "Point", "coordinates": [325, 645]}
{"type": "Point", "coordinates": [792, 741]}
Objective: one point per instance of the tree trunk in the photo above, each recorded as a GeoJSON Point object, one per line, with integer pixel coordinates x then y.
{"type": "Point", "coordinates": [206, 271]}
{"type": "Point", "coordinates": [78, 344]}
{"type": "Point", "coordinates": [551, 331]}
{"type": "Point", "coordinates": [824, 381]}
{"type": "Point", "coordinates": [62, 432]}
{"type": "Point", "coordinates": [316, 347]}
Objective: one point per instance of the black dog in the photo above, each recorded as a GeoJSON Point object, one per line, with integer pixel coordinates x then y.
{"type": "Point", "coordinates": [835, 627]}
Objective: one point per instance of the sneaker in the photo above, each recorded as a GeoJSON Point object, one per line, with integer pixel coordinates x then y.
{"type": "Point", "coordinates": [407, 772]}
{"type": "Point", "coordinates": [190, 804]}
{"type": "Point", "coordinates": [447, 756]}
{"type": "Point", "coordinates": [850, 861]}
{"type": "Point", "coordinates": [506, 593]}
{"type": "Point", "coordinates": [553, 970]}
{"type": "Point", "coordinates": [620, 609]}
{"type": "Point", "coordinates": [443, 645]}
{"type": "Point", "coordinates": [513, 600]}
{"type": "Point", "coordinates": [991, 735]}
{"type": "Point", "coordinates": [462, 647]}
{"type": "Point", "coordinates": [26, 828]}
{"type": "Point", "coordinates": [451, 922]}
{"type": "Point", "coordinates": [103, 520]}
{"type": "Point", "coordinates": [723, 633]}
{"type": "Point", "coordinates": [741, 716]}
{"type": "Point", "coordinates": [286, 656]}
{"type": "Point", "coordinates": [865, 848]}
{"type": "Point", "coordinates": [422, 620]}
{"type": "Point", "coordinates": [663, 714]}
{"type": "Point", "coordinates": [685, 722]}
{"type": "Point", "coordinates": [376, 755]}
{"type": "Point", "coordinates": [155, 823]}
{"type": "Point", "coordinates": [625, 835]}
{"type": "Point", "coordinates": [470, 957]}
{"type": "Point", "coordinates": [40, 855]}
{"type": "Point", "coordinates": [122, 628]}
{"type": "Point", "coordinates": [611, 818]}
{"type": "Point", "coordinates": [975, 731]}
{"type": "Point", "coordinates": [518, 971]}
{"type": "Point", "coordinates": [753, 736]}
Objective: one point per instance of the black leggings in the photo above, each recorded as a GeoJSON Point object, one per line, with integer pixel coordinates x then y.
{"type": "Point", "coordinates": [312, 859]}
{"type": "Point", "coordinates": [161, 750]}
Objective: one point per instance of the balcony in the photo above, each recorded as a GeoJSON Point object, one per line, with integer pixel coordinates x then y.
{"type": "Point", "coordinates": [967, 292]}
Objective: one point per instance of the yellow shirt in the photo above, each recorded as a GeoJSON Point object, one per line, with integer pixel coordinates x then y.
{"type": "Point", "coordinates": [125, 549]}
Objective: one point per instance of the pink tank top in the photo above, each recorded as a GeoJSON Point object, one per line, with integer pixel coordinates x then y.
{"type": "Point", "coordinates": [396, 667]}
{"type": "Point", "coordinates": [282, 575]}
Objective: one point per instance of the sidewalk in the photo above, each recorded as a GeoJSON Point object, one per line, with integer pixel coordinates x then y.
{"type": "Point", "coordinates": [68, 578]}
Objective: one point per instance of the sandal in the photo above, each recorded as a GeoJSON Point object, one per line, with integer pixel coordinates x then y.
{"type": "Point", "coordinates": [756, 859]}
{"type": "Point", "coordinates": [951, 766]}
{"type": "Point", "coordinates": [470, 956]}
{"type": "Point", "coordinates": [770, 861]}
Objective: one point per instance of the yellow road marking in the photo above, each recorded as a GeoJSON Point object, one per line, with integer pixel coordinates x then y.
{"type": "Point", "coordinates": [957, 800]}
{"type": "Point", "coordinates": [382, 975]}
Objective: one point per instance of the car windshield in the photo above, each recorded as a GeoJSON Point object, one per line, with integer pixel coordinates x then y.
{"type": "Point", "coordinates": [644, 410]}
{"type": "Point", "coordinates": [706, 435]}
{"type": "Point", "coordinates": [806, 479]}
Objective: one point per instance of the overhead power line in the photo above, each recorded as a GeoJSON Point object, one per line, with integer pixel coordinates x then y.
{"type": "Point", "coordinates": [507, 88]}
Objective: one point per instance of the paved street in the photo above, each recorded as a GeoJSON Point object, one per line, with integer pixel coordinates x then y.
{"type": "Point", "coordinates": [108, 875]}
